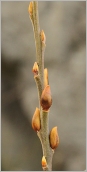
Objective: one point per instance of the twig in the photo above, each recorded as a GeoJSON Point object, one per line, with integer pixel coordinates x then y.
{"type": "Point", "coordinates": [44, 137]}
{"type": "Point", "coordinates": [37, 39]}
{"type": "Point", "coordinates": [40, 121]}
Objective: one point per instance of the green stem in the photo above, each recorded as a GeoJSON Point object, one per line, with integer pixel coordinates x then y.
{"type": "Point", "coordinates": [44, 138]}
{"type": "Point", "coordinates": [39, 87]}
{"type": "Point", "coordinates": [37, 40]}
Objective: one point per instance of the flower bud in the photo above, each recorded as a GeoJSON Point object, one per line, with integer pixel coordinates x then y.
{"type": "Point", "coordinates": [35, 69]}
{"type": "Point", "coordinates": [46, 82]}
{"type": "Point", "coordinates": [36, 125]}
{"type": "Point", "coordinates": [54, 138]}
{"type": "Point", "coordinates": [43, 37]}
{"type": "Point", "coordinates": [30, 8]}
{"type": "Point", "coordinates": [46, 99]}
{"type": "Point", "coordinates": [44, 162]}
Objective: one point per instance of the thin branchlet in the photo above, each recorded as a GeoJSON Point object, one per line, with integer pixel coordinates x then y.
{"type": "Point", "coordinates": [41, 79]}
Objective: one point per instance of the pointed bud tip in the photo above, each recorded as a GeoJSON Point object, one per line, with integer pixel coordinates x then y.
{"type": "Point", "coordinates": [30, 8]}
{"type": "Point", "coordinates": [35, 69]}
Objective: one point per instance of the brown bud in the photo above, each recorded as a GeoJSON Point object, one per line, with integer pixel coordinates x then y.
{"type": "Point", "coordinates": [46, 82]}
{"type": "Point", "coordinates": [46, 99]}
{"type": "Point", "coordinates": [35, 69]}
{"type": "Point", "coordinates": [43, 37]}
{"type": "Point", "coordinates": [30, 8]}
{"type": "Point", "coordinates": [44, 162]}
{"type": "Point", "coordinates": [54, 138]}
{"type": "Point", "coordinates": [36, 120]}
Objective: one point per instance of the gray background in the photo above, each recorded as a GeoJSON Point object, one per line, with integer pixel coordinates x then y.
{"type": "Point", "coordinates": [64, 24]}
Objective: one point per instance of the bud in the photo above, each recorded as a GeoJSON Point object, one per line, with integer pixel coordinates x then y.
{"type": "Point", "coordinates": [43, 37]}
{"type": "Point", "coordinates": [44, 162]}
{"type": "Point", "coordinates": [30, 8]}
{"type": "Point", "coordinates": [35, 69]}
{"type": "Point", "coordinates": [46, 82]}
{"type": "Point", "coordinates": [36, 120]}
{"type": "Point", "coordinates": [54, 138]}
{"type": "Point", "coordinates": [46, 99]}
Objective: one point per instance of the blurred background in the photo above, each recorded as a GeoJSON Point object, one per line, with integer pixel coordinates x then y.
{"type": "Point", "coordinates": [64, 24]}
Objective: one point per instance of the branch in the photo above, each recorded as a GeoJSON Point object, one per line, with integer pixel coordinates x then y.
{"type": "Point", "coordinates": [40, 120]}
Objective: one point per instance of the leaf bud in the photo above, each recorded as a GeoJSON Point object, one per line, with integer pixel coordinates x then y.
{"type": "Point", "coordinates": [30, 8]}
{"type": "Point", "coordinates": [54, 138]}
{"type": "Point", "coordinates": [46, 82]}
{"type": "Point", "coordinates": [35, 69]}
{"type": "Point", "coordinates": [44, 162]}
{"type": "Point", "coordinates": [43, 37]}
{"type": "Point", "coordinates": [46, 100]}
{"type": "Point", "coordinates": [36, 125]}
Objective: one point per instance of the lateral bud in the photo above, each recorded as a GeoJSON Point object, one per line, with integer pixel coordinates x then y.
{"type": "Point", "coordinates": [36, 125]}
{"type": "Point", "coordinates": [30, 8]}
{"type": "Point", "coordinates": [43, 37]}
{"type": "Point", "coordinates": [46, 82]}
{"type": "Point", "coordinates": [46, 100]}
{"type": "Point", "coordinates": [54, 138]}
{"type": "Point", "coordinates": [44, 162]}
{"type": "Point", "coordinates": [35, 68]}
